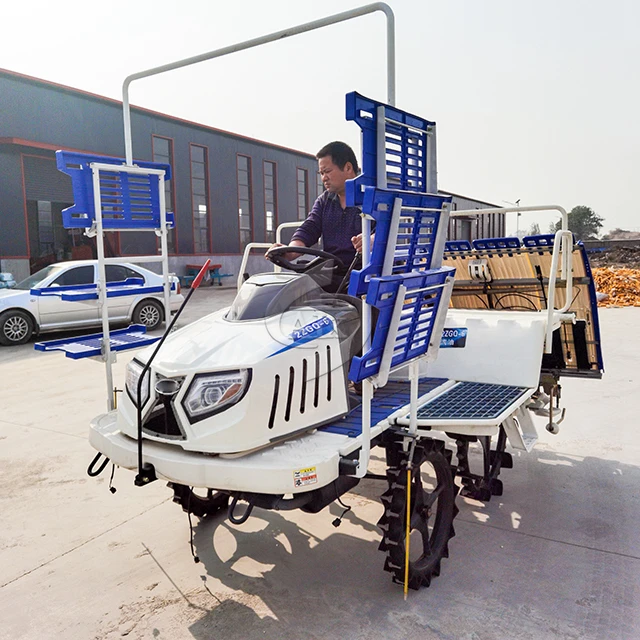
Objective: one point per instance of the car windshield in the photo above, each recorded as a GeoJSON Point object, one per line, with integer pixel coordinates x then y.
{"type": "Point", "coordinates": [34, 280]}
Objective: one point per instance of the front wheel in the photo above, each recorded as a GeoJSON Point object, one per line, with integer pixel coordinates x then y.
{"type": "Point", "coordinates": [149, 313]}
{"type": "Point", "coordinates": [16, 327]}
{"type": "Point", "coordinates": [432, 510]}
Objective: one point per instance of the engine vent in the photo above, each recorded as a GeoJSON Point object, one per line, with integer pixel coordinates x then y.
{"type": "Point", "coordinates": [289, 396]}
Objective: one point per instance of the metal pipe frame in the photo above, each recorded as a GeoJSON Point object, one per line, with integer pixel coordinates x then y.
{"type": "Point", "coordinates": [266, 39]}
{"type": "Point", "coordinates": [107, 355]}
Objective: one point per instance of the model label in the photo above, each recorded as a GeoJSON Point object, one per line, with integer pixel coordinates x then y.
{"type": "Point", "coordinates": [303, 477]}
{"type": "Point", "coordinates": [314, 329]}
{"type": "Point", "coordinates": [455, 338]}
{"type": "Point", "coordinates": [310, 332]}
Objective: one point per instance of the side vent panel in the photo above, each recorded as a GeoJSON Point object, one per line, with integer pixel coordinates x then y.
{"type": "Point", "coordinates": [329, 373]}
{"type": "Point", "coordinates": [274, 402]}
{"type": "Point", "coordinates": [316, 390]}
{"type": "Point", "coordinates": [292, 377]}
{"type": "Point", "coordinates": [303, 392]}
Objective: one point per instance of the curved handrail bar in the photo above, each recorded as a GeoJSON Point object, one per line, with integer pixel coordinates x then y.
{"type": "Point", "coordinates": [263, 245]}
{"type": "Point", "coordinates": [245, 258]}
{"type": "Point", "coordinates": [256, 42]}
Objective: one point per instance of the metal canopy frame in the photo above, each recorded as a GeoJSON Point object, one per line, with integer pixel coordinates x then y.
{"type": "Point", "coordinates": [391, 97]}
{"type": "Point", "coordinates": [266, 39]}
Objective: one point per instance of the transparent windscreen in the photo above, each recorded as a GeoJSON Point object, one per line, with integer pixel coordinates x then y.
{"type": "Point", "coordinates": [264, 297]}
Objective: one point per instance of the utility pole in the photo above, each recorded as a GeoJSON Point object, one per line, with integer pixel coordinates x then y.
{"type": "Point", "coordinates": [518, 214]}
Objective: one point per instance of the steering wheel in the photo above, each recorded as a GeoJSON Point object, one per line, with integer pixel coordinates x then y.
{"type": "Point", "coordinates": [277, 254]}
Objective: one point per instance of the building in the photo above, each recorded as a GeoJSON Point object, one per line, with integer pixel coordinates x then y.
{"type": "Point", "coordinates": [226, 189]}
{"type": "Point", "coordinates": [490, 225]}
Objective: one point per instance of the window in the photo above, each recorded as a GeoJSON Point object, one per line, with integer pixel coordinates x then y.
{"type": "Point", "coordinates": [319, 185]}
{"type": "Point", "coordinates": [77, 275]}
{"type": "Point", "coordinates": [302, 193]}
{"type": "Point", "coordinates": [270, 201]}
{"type": "Point", "coordinates": [245, 205]}
{"type": "Point", "coordinates": [119, 273]}
{"type": "Point", "coordinates": [163, 152]}
{"type": "Point", "coordinates": [200, 198]}
{"type": "Point", "coordinates": [45, 228]}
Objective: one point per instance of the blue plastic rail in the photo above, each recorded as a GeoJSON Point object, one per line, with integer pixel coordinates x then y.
{"type": "Point", "coordinates": [496, 244]}
{"type": "Point", "coordinates": [133, 337]}
{"type": "Point", "coordinates": [129, 201]}
{"type": "Point", "coordinates": [545, 240]}
{"type": "Point", "coordinates": [457, 246]}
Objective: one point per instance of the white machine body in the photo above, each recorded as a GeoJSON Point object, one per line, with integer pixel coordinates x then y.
{"type": "Point", "coordinates": [294, 379]}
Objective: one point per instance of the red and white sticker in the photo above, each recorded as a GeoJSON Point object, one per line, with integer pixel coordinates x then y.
{"type": "Point", "coordinates": [303, 477]}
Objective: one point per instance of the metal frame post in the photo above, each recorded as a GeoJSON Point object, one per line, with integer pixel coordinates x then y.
{"type": "Point", "coordinates": [102, 286]}
{"type": "Point", "coordinates": [103, 302]}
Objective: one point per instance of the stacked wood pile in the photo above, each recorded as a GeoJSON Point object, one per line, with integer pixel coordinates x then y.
{"type": "Point", "coordinates": [622, 286]}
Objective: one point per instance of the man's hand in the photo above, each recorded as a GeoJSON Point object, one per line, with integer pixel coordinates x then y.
{"type": "Point", "coordinates": [289, 255]}
{"type": "Point", "coordinates": [356, 241]}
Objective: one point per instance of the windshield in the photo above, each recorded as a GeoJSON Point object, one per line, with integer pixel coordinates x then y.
{"type": "Point", "coordinates": [34, 280]}
{"type": "Point", "coordinates": [267, 295]}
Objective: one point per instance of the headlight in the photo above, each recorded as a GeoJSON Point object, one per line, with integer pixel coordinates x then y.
{"type": "Point", "coordinates": [210, 393]}
{"type": "Point", "coordinates": [134, 370]}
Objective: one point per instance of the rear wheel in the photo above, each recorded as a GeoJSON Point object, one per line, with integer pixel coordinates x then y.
{"type": "Point", "coordinates": [149, 313]}
{"type": "Point", "coordinates": [199, 502]}
{"type": "Point", "coordinates": [16, 327]}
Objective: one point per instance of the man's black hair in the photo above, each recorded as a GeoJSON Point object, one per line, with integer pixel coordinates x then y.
{"type": "Point", "coordinates": [340, 153]}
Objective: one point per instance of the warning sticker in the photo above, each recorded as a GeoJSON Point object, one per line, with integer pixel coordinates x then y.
{"type": "Point", "coordinates": [304, 477]}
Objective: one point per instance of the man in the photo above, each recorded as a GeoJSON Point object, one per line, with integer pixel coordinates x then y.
{"type": "Point", "coordinates": [340, 226]}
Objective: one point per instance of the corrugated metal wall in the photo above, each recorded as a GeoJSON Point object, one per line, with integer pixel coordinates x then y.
{"type": "Point", "coordinates": [68, 119]}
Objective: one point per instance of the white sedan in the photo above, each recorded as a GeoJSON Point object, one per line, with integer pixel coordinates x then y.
{"type": "Point", "coordinates": [22, 314]}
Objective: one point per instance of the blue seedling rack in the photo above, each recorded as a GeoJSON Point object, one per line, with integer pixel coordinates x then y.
{"type": "Point", "coordinates": [129, 200]}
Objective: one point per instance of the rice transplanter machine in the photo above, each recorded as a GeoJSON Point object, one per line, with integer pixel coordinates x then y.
{"type": "Point", "coordinates": [254, 404]}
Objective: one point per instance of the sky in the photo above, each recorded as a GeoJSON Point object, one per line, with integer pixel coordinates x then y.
{"type": "Point", "coordinates": [535, 101]}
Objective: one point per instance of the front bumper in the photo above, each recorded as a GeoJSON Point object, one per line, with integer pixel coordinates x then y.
{"type": "Point", "coordinates": [304, 463]}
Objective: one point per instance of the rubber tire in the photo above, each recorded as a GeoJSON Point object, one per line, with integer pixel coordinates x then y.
{"type": "Point", "coordinates": [21, 317]}
{"type": "Point", "coordinates": [149, 307]}
{"type": "Point", "coordinates": [198, 505]}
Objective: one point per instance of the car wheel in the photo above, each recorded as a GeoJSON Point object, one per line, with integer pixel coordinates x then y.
{"type": "Point", "coordinates": [149, 313]}
{"type": "Point", "coordinates": [16, 327]}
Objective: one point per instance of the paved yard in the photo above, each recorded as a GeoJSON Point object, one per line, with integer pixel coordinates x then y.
{"type": "Point", "coordinates": [558, 556]}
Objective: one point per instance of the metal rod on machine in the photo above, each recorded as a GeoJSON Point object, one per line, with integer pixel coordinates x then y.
{"type": "Point", "coordinates": [146, 474]}
{"type": "Point", "coordinates": [256, 42]}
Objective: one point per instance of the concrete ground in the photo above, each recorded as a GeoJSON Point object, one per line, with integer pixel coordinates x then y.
{"type": "Point", "coordinates": [558, 556]}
